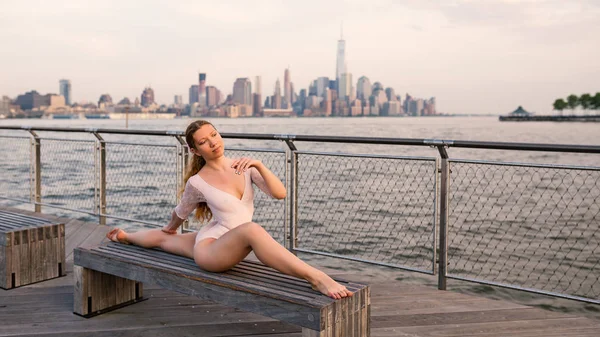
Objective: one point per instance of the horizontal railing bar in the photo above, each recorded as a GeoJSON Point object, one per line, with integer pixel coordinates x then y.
{"type": "Point", "coordinates": [363, 260]}
{"type": "Point", "coordinates": [530, 290]}
{"type": "Point", "coordinates": [254, 150]}
{"type": "Point", "coordinates": [134, 220]}
{"type": "Point", "coordinates": [19, 200]}
{"type": "Point", "coordinates": [70, 140]}
{"type": "Point", "coordinates": [15, 137]}
{"type": "Point", "coordinates": [139, 144]}
{"type": "Point", "coordinates": [343, 139]}
{"type": "Point", "coordinates": [515, 164]}
{"type": "Point", "coordinates": [65, 208]}
{"type": "Point", "coordinates": [375, 156]}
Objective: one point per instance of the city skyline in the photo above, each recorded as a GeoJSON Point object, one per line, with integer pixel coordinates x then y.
{"type": "Point", "coordinates": [470, 56]}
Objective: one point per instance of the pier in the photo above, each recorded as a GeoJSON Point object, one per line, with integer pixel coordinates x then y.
{"type": "Point", "coordinates": [398, 309]}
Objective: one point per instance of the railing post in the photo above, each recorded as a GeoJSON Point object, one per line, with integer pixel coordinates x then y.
{"type": "Point", "coordinates": [292, 236]}
{"type": "Point", "coordinates": [443, 245]}
{"type": "Point", "coordinates": [183, 160]}
{"type": "Point", "coordinates": [102, 183]}
{"type": "Point", "coordinates": [37, 171]}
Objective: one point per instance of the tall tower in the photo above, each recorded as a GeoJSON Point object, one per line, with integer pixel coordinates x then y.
{"type": "Point", "coordinates": [276, 101]}
{"type": "Point", "coordinates": [257, 98]}
{"type": "Point", "coordinates": [202, 89]}
{"type": "Point", "coordinates": [287, 89]}
{"type": "Point", "coordinates": [341, 59]}
{"type": "Point", "coordinates": [65, 90]}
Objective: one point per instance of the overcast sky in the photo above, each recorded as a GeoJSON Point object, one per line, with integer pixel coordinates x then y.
{"type": "Point", "coordinates": [474, 56]}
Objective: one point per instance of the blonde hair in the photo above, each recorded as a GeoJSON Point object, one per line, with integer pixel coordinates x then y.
{"type": "Point", "coordinates": [203, 213]}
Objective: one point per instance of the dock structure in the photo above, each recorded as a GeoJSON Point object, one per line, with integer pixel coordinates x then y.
{"type": "Point", "coordinates": [398, 309]}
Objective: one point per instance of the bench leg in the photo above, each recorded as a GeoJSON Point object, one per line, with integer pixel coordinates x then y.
{"type": "Point", "coordinates": [96, 292]}
{"type": "Point", "coordinates": [348, 317]}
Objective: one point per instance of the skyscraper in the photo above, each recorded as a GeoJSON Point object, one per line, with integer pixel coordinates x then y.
{"type": "Point", "coordinates": [341, 67]}
{"type": "Point", "coordinates": [202, 89]}
{"type": "Point", "coordinates": [193, 94]}
{"type": "Point", "coordinates": [322, 84]}
{"type": "Point", "coordinates": [276, 102]}
{"type": "Point", "coordinates": [211, 96]}
{"type": "Point", "coordinates": [363, 88]}
{"type": "Point", "coordinates": [147, 97]}
{"type": "Point", "coordinates": [242, 91]}
{"type": "Point", "coordinates": [345, 86]}
{"type": "Point", "coordinates": [287, 90]}
{"type": "Point", "coordinates": [257, 97]}
{"type": "Point", "coordinates": [65, 90]}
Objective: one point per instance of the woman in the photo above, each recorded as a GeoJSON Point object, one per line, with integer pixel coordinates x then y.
{"type": "Point", "coordinates": [220, 188]}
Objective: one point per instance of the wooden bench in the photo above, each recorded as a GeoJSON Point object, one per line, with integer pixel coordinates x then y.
{"type": "Point", "coordinates": [112, 275]}
{"type": "Point", "coordinates": [31, 250]}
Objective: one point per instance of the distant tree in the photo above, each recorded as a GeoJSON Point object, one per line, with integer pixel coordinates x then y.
{"type": "Point", "coordinates": [596, 101]}
{"type": "Point", "coordinates": [586, 102]}
{"type": "Point", "coordinates": [559, 105]}
{"type": "Point", "coordinates": [572, 102]}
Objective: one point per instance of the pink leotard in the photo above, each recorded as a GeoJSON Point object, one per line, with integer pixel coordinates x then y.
{"type": "Point", "coordinates": [228, 211]}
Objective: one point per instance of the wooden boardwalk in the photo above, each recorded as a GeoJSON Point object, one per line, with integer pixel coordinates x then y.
{"type": "Point", "coordinates": [45, 309]}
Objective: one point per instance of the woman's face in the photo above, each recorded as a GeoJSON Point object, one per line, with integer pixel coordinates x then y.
{"type": "Point", "coordinates": [208, 141]}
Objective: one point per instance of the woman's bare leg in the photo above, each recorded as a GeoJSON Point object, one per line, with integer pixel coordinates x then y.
{"type": "Point", "coordinates": [180, 244]}
{"type": "Point", "coordinates": [224, 253]}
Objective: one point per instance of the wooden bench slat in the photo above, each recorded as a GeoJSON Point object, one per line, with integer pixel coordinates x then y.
{"type": "Point", "coordinates": [240, 269]}
{"type": "Point", "coordinates": [197, 274]}
{"type": "Point", "coordinates": [7, 218]}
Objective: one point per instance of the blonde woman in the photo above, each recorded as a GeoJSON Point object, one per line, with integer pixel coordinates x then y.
{"type": "Point", "coordinates": [220, 190]}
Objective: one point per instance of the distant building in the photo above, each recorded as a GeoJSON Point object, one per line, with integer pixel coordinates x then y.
{"type": "Point", "coordinates": [4, 105]}
{"type": "Point", "coordinates": [212, 96]}
{"type": "Point", "coordinates": [278, 112]}
{"type": "Point", "coordinates": [520, 112]}
{"type": "Point", "coordinates": [257, 97]}
{"type": "Point", "coordinates": [391, 94]}
{"type": "Point", "coordinates": [242, 91]}
{"type": "Point", "coordinates": [124, 101]}
{"type": "Point", "coordinates": [64, 88]}
{"type": "Point", "coordinates": [193, 94]}
{"type": "Point", "coordinates": [105, 100]}
{"type": "Point", "coordinates": [276, 101]}
{"type": "Point", "coordinates": [287, 90]}
{"type": "Point", "coordinates": [322, 83]}
{"type": "Point", "coordinates": [178, 100]}
{"type": "Point", "coordinates": [341, 67]}
{"type": "Point", "coordinates": [202, 99]}
{"type": "Point", "coordinates": [363, 89]}
{"type": "Point", "coordinates": [345, 86]}
{"type": "Point", "coordinates": [391, 108]}
{"type": "Point", "coordinates": [147, 97]}
{"type": "Point", "coordinates": [377, 86]}
{"type": "Point", "coordinates": [31, 100]}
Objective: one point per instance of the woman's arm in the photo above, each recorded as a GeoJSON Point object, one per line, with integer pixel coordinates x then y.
{"type": "Point", "coordinates": [274, 185]}
{"type": "Point", "coordinates": [175, 222]}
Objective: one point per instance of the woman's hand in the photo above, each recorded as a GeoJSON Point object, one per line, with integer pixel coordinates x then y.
{"type": "Point", "coordinates": [168, 230]}
{"type": "Point", "coordinates": [242, 164]}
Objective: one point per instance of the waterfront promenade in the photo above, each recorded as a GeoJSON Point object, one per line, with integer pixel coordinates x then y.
{"type": "Point", "coordinates": [398, 309]}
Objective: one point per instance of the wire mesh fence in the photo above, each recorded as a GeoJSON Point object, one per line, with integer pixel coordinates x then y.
{"type": "Point", "coordinates": [373, 208]}
{"type": "Point", "coordinates": [534, 227]}
{"type": "Point", "coordinates": [268, 212]}
{"type": "Point", "coordinates": [69, 174]}
{"type": "Point", "coordinates": [15, 165]}
{"type": "Point", "coordinates": [141, 181]}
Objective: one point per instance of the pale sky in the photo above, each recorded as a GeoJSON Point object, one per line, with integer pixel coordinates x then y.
{"type": "Point", "coordinates": [474, 56]}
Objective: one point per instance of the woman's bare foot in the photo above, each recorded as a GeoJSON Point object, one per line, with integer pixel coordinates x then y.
{"type": "Point", "coordinates": [117, 235]}
{"type": "Point", "coordinates": [328, 286]}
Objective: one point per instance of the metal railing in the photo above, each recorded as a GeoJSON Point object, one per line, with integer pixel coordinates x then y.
{"type": "Point", "coordinates": [523, 226]}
